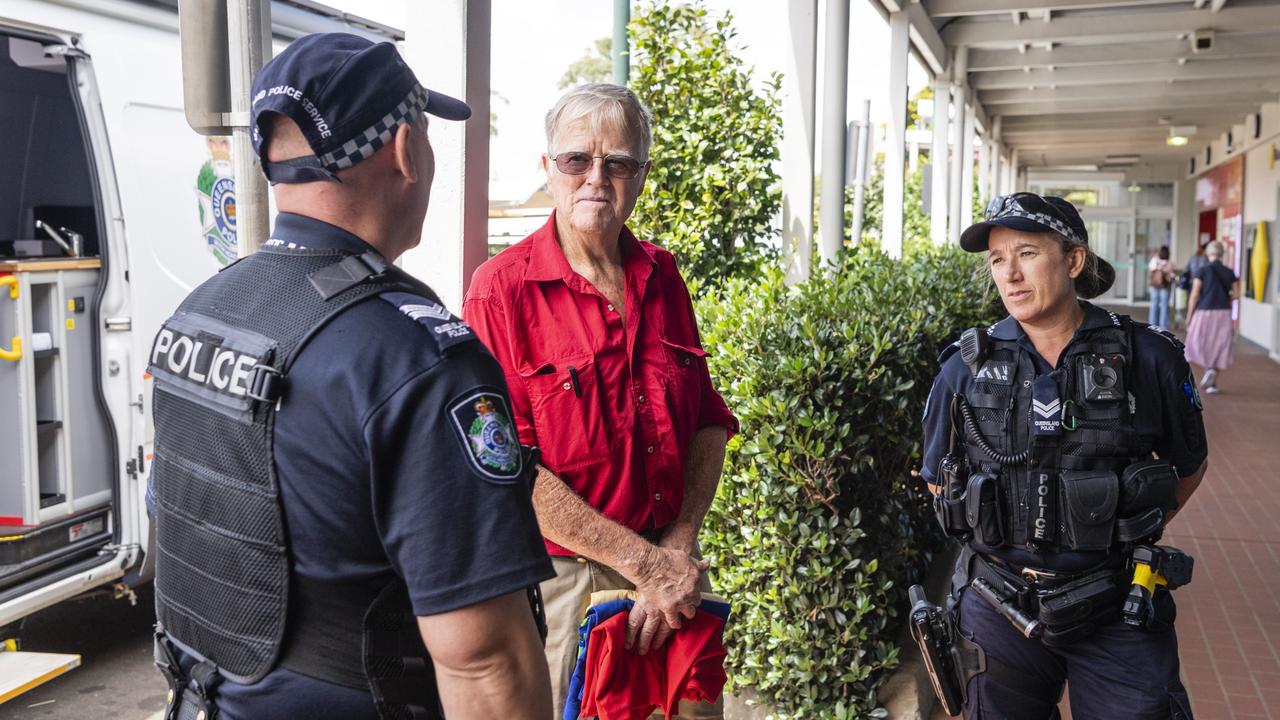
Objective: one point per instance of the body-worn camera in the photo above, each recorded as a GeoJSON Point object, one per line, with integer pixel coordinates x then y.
{"type": "Point", "coordinates": [1102, 377]}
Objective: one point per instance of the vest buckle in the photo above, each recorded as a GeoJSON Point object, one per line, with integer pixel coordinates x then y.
{"type": "Point", "coordinates": [264, 383]}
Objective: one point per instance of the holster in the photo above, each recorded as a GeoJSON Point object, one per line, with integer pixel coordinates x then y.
{"type": "Point", "coordinates": [190, 694]}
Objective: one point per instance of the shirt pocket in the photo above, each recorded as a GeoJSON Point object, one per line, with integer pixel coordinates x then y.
{"type": "Point", "coordinates": [567, 402]}
{"type": "Point", "coordinates": [686, 368]}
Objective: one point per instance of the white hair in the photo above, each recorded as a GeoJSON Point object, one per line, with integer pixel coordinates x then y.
{"type": "Point", "coordinates": [602, 104]}
{"type": "Point", "coordinates": [1215, 250]}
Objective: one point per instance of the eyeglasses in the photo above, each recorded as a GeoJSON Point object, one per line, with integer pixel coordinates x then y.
{"type": "Point", "coordinates": [623, 167]}
{"type": "Point", "coordinates": [1034, 207]}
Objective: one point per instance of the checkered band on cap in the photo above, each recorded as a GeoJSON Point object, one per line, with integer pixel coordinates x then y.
{"type": "Point", "coordinates": [368, 142]}
{"type": "Point", "coordinates": [1047, 220]}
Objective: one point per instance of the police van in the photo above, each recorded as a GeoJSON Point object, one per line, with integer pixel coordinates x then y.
{"type": "Point", "coordinates": [111, 210]}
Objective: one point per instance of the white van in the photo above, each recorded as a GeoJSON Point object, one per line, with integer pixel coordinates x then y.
{"type": "Point", "coordinates": [111, 210]}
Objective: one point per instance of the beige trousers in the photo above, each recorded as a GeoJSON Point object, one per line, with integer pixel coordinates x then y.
{"type": "Point", "coordinates": [565, 599]}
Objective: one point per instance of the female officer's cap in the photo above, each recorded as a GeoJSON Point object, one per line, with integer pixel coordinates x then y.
{"type": "Point", "coordinates": [1029, 212]}
{"type": "Point", "coordinates": [347, 95]}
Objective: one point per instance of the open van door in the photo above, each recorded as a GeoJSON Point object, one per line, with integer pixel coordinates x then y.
{"type": "Point", "coordinates": [66, 432]}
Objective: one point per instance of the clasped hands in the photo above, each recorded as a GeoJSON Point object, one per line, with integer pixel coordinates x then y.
{"type": "Point", "coordinates": [666, 590]}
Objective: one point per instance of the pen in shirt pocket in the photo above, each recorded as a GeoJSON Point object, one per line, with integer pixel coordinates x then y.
{"type": "Point", "coordinates": [573, 378]}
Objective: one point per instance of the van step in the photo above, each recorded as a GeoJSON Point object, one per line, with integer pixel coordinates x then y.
{"type": "Point", "coordinates": [23, 671]}
{"type": "Point", "coordinates": [22, 544]}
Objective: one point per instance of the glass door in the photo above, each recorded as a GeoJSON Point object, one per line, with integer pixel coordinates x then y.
{"type": "Point", "coordinates": [1113, 241]}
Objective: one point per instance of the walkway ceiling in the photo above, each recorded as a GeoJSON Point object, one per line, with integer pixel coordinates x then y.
{"type": "Point", "coordinates": [1076, 81]}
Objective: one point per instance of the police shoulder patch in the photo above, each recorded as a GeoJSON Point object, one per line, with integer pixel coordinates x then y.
{"type": "Point", "coordinates": [1192, 392]}
{"type": "Point", "coordinates": [481, 419]}
{"type": "Point", "coordinates": [447, 329]}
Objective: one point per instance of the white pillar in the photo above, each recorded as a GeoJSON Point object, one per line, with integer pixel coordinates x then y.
{"type": "Point", "coordinates": [960, 99]}
{"type": "Point", "coordinates": [967, 171]}
{"type": "Point", "coordinates": [896, 137]}
{"type": "Point", "coordinates": [447, 45]}
{"type": "Point", "coordinates": [1015, 174]}
{"type": "Point", "coordinates": [939, 160]}
{"type": "Point", "coordinates": [798, 80]}
{"type": "Point", "coordinates": [984, 166]}
{"type": "Point", "coordinates": [835, 93]}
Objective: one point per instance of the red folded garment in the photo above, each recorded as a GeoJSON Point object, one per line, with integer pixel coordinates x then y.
{"type": "Point", "coordinates": [622, 685]}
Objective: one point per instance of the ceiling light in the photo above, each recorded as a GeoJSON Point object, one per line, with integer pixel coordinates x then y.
{"type": "Point", "coordinates": [1134, 187]}
{"type": "Point", "coordinates": [1176, 140]}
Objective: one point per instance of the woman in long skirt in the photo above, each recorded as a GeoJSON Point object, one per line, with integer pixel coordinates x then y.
{"type": "Point", "coordinates": [1209, 329]}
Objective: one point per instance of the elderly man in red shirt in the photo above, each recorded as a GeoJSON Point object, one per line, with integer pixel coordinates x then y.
{"type": "Point", "coordinates": [596, 333]}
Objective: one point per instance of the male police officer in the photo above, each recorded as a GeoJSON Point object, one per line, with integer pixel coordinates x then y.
{"type": "Point", "coordinates": [334, 450]}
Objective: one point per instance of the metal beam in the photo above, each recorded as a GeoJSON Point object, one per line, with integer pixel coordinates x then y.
{"type": "Point", "coordinates": [1200, 117]}
{"type": "Point", "coordinates": [995, 98]}
{"type": "Point", "coordinates": [1094, 26]}
{"type": "Point", "coordinates": [959, 8]}
{"type": "Point", "coordinates": [926, 40]}
{"type": "Point", "coordinates": [1241, 104]}
{"type": "Point", "coordinates": [1133, 134]}
{"type": "Point", "coordinates": [1224, 47]}
{"type": "Point", "coordinates": [1149, 73]}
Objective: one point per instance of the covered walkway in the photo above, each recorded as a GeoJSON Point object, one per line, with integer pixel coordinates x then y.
{"type": "Point", "coordinates": [1229, 616]}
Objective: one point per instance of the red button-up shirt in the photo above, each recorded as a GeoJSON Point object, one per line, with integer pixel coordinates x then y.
{"type": "Point", "coordinates": [613, 406]}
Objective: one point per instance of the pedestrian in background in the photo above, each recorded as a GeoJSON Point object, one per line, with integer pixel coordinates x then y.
{"type": "Point", "coordinates": [1210, 331]}
{"type": "Point", "coordinates": [1160, 274]}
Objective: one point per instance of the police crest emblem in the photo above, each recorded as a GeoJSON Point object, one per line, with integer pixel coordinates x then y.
{"type": "Point", "coordinates": [483, 424]}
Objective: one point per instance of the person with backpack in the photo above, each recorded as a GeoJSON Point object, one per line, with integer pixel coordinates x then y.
{"type": "Point", "coordinates": [1160, 276]}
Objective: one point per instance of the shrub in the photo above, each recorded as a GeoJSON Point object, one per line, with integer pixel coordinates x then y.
{"type": "Point", "coordinates": [818, 527]}
{"type": "Point", "coordinates": [712, 194]}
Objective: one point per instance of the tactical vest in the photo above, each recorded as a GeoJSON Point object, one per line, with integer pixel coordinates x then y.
{"type": "Point", "coordinates": [224, 591]}
{"type": "Point", "coordinates": [1055, 463]}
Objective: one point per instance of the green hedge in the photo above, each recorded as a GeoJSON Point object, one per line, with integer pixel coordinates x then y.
{"type": "Point", "coordinates": [818, 527]}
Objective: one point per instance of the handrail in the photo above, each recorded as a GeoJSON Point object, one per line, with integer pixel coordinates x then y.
{"type": "Point", "coordinates": [14, 354]}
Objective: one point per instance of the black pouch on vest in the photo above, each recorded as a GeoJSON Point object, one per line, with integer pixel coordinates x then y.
{"type": "Point", "coordinates": [982, 509]}
{"type": "Point", "coordinates": [1148, 484]}
{"type": "Point", "coordinates": [1089, 502]}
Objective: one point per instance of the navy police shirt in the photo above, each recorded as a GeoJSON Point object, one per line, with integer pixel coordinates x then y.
{"type": "Point", "coordinates": [396, 452]}
{"type": "Point", "coordinates": [1167, 416]}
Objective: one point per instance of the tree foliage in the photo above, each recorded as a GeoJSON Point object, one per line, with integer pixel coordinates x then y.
{"type": "Point", "coordinates": [713, 191]}
{"type": "Point", "coordinates": [594, 66]}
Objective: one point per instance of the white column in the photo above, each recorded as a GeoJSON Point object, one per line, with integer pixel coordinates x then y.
{"type": "Point", "coordinates": [447, 45]}
{"type": "Point", "coordinates": [1015, 174]}
{"type": "Point", "coordinates": [984, 166]}
{"type": "Point", "coordinates": [997, 157]}
{"type": "Point", "coordinates": [798, 80]}
{"type": "Point", "coordinates": [896, 136]}
{"type": "Point", "coordinates": [967, 171]}
{"type": "Point", "coordinates": [835, 93]}
{"type": "Point", "coordinates": [939, 160]}
{"type": "Point", "coordinates": [960, 99]}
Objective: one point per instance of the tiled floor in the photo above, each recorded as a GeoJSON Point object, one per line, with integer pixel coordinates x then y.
{"type": "Point", "coordinates": [1229, 616]}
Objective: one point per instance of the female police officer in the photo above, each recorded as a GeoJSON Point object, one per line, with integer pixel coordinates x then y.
{"type": "Point", "coordinates": [1039, 439]}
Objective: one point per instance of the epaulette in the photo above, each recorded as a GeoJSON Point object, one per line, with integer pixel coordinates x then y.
{"type": "Point", "coordinates": [446, 328]}
{"type": "Point", "coordinates": [1173, 339]}
{"type": "Point", "coordinates": [948, 351]}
